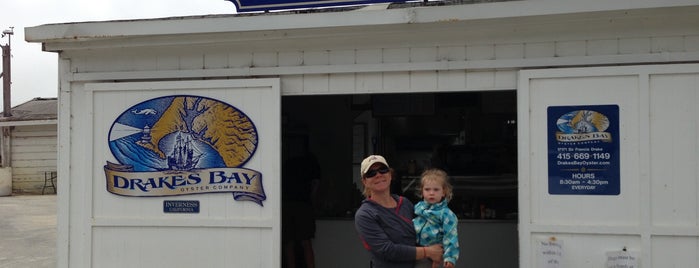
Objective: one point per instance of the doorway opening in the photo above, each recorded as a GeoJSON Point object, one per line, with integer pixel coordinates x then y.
{"type": "Point", "coordinates": [471, 135]}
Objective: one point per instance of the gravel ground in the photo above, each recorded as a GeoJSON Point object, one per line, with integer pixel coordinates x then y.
{"type": "Point", "coordinates": [28, 231]}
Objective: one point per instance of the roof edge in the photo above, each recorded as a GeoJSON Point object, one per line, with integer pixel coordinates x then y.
{"type": "Point", "coordinates": [90, 31]}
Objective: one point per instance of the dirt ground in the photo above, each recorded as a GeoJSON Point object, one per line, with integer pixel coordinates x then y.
{"type": "Point", "coordinates": [28, 231]}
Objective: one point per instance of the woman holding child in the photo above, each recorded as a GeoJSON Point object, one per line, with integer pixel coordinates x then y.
{"type": "Point", "coordinates": [384, 221]}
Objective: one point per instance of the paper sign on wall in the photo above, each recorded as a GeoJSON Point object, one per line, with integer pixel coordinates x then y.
{"type": "Point", "coordinates": [550, 253]}
{"type": "Point", "coordinates": [621, 259]}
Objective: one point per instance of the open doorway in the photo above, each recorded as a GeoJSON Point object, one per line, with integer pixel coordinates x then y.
{"type": "Point", "coordinates": [472, 135]}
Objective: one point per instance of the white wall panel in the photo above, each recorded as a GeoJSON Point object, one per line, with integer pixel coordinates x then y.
{"type": "Point", "coordinates": [118, 62]}
{"type": "Point", "coordinates": [395, 55]}
{"type": "Point", "coordinates": [570, 48]}
{"type": "Point", "coordinates": [396, 82]}
{"type": "Point", "coordinates": [264, 59]}
{"type": "Point", "coordinates": [656, 213]}
{"type": "Point", "coordinates": [182, 247]}
{"type": "Point", "coordinates": [292, 84]}
{"type": "Point", "coordinates": [291, 58]}
{"type": "Point", "coordinates": [239, 59]}
{"type": "Point", "coordinates": [586, 209]}
{"type": "Point", "coordinates": [341, 56]}
{"type": "Point", "coordinates": [143, 63]}
{"type": "Point", "coordinates": [451, 79]}
{"type": "Point", "coordinates": [341, 83]}
{"type": "Point", "coordinates": [451, 53]}
{"type": "Point", "coordinates": [672, 251]}
{"type": "Point", "coordinates": [509, 51]}
{"type": "Point", "coordinates": [423, 81]}
{"type": "Point", "coordinates": [505, 79]}
{"type": "Point", "coordinates": [365, 56]}
{"type": "Point", "coordinates": [315, 83]}
{"type": "Point", "coordinates": [84, 64]}
{"type": "Point", "coordinates": [167, 62]}
{"type": "Point", "coordinates": [602, 47]}
{"type": "Point", "coordinates": [423, 54]}
{"type": "Point", "coordinates": [480, 52]}
{"type": "Point", "coordinates": [667, 44]}
{"type": "Point", "coordinates": [216, 60]}
{"type": "Point", "coordinates": [191, 61]}
{"type": "Point", "coordinates": [316, 57]}
{"type": "Point", "coordinates": [634, 45]}
{"type": "Point", "coordinates": [369, 82]}
{"type": "Point", "coordinates": [480, 79]}
{"type": "Point", "coordinates": [691, 42]}
{"type": "Point", "coordinates": [540, 50]}
{"type": "Point", "coordinates": [674, 149]}
{"type": "Point", "coordinates": [107, 229]}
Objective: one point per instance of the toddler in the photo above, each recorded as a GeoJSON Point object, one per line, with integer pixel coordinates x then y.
{"type": "Point", "coordinates": [435, 222]}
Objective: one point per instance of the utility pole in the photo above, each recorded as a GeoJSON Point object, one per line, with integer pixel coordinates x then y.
{"type": "Point", "coordinates": [7, 111]}
{"type": "Point", "coordinates": [6, 73]}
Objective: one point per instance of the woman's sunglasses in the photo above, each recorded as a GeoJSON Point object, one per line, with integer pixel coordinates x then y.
{"type": "Point", "coordinates": [373, 172]}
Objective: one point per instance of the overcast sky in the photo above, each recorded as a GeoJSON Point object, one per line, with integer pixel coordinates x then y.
{"type": "Point", "coordinates": [35, 73]}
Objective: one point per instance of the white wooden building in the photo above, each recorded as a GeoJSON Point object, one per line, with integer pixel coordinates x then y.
{"type": "Point", "coordinates": [638, 56]}
{"type": "Point", "coordinates": [30, 150]}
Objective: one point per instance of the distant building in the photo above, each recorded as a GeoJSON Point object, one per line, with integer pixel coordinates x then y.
{"type": "Point", "coordinates": [29, 144]}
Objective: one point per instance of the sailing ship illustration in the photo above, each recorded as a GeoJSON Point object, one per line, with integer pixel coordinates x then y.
{"type": "Point", "coordinates": [183, 155]}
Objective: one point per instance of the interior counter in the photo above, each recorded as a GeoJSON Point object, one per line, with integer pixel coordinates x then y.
{"type": "Point", "coordinates": [483, 243]}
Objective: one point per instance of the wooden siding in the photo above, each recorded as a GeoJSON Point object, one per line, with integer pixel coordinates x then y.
{"type": "Point", "coordinates": [390, 70]}
{"type": "Point", "coordinates": [33, 153]}
{"type": "Point", "coordinates": [436, 57]}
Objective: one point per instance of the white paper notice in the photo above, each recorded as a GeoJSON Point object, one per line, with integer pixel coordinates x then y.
{"type": "Point", "coordinates": [550, 253]}
{"type": "Point", "coordinates": [621, 259]}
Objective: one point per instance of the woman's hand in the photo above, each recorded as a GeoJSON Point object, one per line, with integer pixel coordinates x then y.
{"type": "Point", "coordinates": [448, 265]}
{"type": "Point", "coordinates": [435, 252]}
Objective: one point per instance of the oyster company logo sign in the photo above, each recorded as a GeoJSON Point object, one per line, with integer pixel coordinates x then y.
{"type": "Point", "coordinates": [583, 149]}
{"type": "Point", "coordinates": [179, 145]}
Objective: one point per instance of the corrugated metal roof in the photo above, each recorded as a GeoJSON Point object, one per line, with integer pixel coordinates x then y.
{"type": "Point", "coordinates": [35, 109]}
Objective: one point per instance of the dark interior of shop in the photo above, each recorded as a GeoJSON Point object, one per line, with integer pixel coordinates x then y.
{"type": "Point", "coordinates": [471, 135]}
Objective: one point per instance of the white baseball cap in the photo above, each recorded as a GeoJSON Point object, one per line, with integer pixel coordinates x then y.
{"type": "Point", "coordinates": [370, 160]}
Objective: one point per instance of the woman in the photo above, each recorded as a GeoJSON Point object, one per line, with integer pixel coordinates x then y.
{"type": "Point", "coordinates": [384, 220]}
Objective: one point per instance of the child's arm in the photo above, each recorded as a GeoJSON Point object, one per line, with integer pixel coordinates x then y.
{"type": "Point", "coordinates": [433, 252]}
{"type": "Point", "coordinates": [451, 237]}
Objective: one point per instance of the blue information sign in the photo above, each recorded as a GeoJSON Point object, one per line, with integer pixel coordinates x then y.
{"type": "Point", "coordinates": [181, 206]}
{"type": "Point", "coordinates": [583, 150]}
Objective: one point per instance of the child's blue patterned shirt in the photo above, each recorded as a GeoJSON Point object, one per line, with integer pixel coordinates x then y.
{"type": "Point", "coordinates": [437, 224]}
